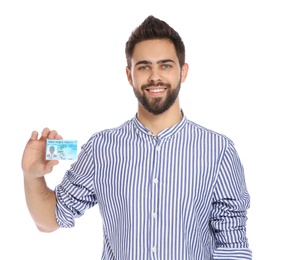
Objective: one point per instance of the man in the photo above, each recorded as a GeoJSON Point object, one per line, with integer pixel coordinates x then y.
{"type": "Point", "coordinates": [167, 188]}
{"type": "Point", "coordinates": [51, 154]}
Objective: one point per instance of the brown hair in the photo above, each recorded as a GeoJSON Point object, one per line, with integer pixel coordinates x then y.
{"type": "Point", "coordinates": [153, 28]}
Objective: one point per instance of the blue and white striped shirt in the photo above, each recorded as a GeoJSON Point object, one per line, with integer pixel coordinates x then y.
{"type": "Point", "coordinates": [178, 196]}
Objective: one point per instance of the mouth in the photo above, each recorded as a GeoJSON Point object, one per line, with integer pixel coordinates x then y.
{"type": "Point", "coordinates": [158, 91]}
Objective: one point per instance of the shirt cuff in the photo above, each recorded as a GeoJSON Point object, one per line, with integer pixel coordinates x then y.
{"type": "Point", "coordinates": [232, 254]}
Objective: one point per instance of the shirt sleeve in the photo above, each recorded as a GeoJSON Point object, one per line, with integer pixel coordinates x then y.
{"type": "Point", "coordinates": [230, 204]}
{"type": "Point", "coordinates": [75, 194]}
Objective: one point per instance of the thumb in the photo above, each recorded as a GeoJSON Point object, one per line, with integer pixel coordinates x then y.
{"type": "Point", "coordinates": [49, 166]}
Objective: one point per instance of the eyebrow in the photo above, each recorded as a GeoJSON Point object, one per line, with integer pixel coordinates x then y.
{"type": "Point", "coordinates": [158, 62]}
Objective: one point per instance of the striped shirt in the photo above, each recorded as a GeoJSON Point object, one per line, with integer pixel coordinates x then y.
{"type": "Point", "coordinates": [178, 196]}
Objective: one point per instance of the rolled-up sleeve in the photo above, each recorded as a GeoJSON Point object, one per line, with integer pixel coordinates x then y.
{"type": "Point", "coordinates": [75, 194]}
{"type": "Point", "coordinates": [230, 204]}
{"type": "Point", "coordinates": [232, 254]}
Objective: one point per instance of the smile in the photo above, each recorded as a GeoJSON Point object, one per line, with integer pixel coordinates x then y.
{"type": "Point", "coordinates": [156, 90]}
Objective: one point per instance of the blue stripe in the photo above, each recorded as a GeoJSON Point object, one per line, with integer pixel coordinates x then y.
{"type": "Point", "coordinates": [181, 195]}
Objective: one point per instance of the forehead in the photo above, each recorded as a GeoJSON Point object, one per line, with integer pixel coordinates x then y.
{"type": "Point", "coordinates": [153, 50]}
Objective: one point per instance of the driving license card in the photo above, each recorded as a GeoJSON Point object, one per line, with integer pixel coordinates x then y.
{"type": "Point", "coordinates": [61, 149]}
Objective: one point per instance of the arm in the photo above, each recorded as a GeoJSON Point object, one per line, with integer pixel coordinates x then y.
{"type": "Point", "coordinates": [230, 205]}
{"type": "Point", "coordinates": [41, 201]}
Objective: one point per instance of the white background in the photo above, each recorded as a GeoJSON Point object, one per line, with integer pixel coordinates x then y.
{"type": "Point", "coordinates": [62, 65]}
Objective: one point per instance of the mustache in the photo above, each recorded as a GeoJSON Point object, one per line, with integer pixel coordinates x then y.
{"type": "Point", "coordinates": [159, 84]}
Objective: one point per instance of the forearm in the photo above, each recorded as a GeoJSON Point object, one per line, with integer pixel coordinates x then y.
{"type": "Point", "coordinates": [41, 203]}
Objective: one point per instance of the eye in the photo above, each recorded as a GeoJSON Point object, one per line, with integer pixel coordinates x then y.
{"type": "Point", "coordinates": [143, 68]}
{"type": "Point", "coordinates": [166, 66]}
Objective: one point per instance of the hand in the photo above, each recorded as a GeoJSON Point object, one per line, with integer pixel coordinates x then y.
{"type": "Point", "coordinates": [34, 164]}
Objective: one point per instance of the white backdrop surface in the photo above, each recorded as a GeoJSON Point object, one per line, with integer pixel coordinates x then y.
{"type": "Point", "coordinates": [62, 65]}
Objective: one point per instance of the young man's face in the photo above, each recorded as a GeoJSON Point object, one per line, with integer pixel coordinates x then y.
{"type": "Point", "coordinates": [156, 75]}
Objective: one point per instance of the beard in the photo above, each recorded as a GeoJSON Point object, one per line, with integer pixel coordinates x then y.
{"type": "Point", "coordinates": [158, 105]}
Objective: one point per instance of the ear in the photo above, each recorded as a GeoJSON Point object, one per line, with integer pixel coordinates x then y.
{"type": "Point", "coordinates": [129, 77]}
{"type": "Point", "coordinates": [184, 72]}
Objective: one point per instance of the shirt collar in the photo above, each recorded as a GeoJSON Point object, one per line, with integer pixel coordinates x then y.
{"type": "Point", "coordinates": [168, 132]}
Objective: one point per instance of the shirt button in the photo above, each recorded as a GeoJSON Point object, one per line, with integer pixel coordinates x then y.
{"type": "Point", "coordinates": [158, 148]}
{"type": "Point", "coordinates": [149, 133]}
{"type": "Point", "coordinates": [154, 215]}
{"type": "Point", "coordinates": [153, 249]}
{"type": "Point", "coordinates": [155, 181]}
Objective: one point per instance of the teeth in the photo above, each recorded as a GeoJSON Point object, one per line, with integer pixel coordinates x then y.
{"type": "Point", "coordinates": [156, 90]}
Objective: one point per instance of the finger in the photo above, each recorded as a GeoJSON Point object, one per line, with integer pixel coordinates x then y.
{"type": "Point", "coordinates": [48, 134]}
{"type": "Point", "coordinates": [34, 135]}
{"type": "Point", "coordinates": [58, 137]}
{"type": "Point", "coordinates": [52, 134]}
{"type": "Point", "coordinates": [45, 133]}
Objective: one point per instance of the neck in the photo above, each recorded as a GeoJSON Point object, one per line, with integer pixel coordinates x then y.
{"type": "Point", "coordinates": [157, 123]}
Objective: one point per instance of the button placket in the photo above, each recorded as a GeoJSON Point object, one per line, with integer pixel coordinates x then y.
{"type": "Point", "coordinates": [154, 206]}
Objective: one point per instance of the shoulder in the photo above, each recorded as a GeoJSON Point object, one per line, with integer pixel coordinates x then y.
{"type": "Point", "coordinates": [211, 139]}
{"type": "Point", "coordinates": [125, 127]}
{"type": "Point", "coordinates": [200, 129]}
{"type": "Point", "coordinates": [109, 134]}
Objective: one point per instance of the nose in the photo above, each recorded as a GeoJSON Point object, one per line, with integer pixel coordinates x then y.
{"type": "Point", "coordinates": [155, 76]}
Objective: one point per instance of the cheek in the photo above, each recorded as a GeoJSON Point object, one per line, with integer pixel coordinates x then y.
{"type": "Point", "coordinates": [175, 77]}
{"type": "Point", "coordinates": [138, 79]}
